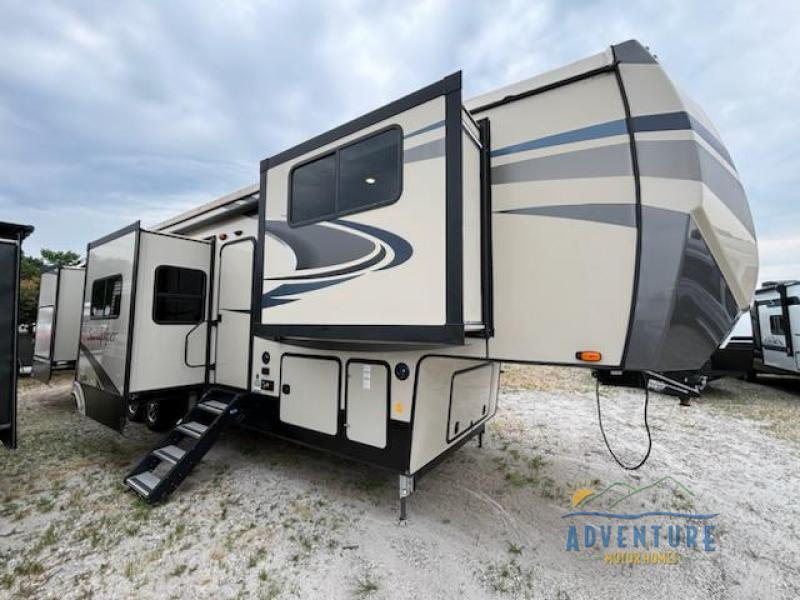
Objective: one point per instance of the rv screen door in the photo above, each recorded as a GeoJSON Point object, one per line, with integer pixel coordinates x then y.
{"type": "Point", "coordinates": [233, 320]}
{"type": "Point", "coordinates": [362, 227]}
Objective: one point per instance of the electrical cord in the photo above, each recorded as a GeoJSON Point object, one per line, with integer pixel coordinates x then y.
{"type": "Point", "coordinates": [646, 426]}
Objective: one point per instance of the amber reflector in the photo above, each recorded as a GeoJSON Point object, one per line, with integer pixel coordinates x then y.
{"type": "Point", "coordinates": [589, 356]}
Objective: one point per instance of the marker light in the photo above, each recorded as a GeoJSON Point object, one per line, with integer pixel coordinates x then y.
{"type": "Point", "coordinates": [370, 180]}
{"type": "Point", "coordinates": [223, 236]}
{"type": "Point", "coordinates": [589, 356]}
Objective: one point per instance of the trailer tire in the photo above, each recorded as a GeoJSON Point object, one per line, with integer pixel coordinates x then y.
{"type": "Point", "coordinates": [156, 417]}
{"type": "Point", "coordinates": [134, 411]}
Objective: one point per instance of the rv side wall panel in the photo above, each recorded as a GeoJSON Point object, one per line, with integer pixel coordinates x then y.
{"type": "Point", "coordinates": [159, 354]}
{"type": "Point", "coordinates": [564, 224]}
{"type": "Point", "coordinates": [68, 321]}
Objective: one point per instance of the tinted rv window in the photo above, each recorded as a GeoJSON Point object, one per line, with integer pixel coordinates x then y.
{"type": "Point", "coordinates": [776, 325]}
{"type": "Point", "coordinates": [179, 295]}
{"type": "Point", "coordinates": [358, 176]}
{"type": "Point", "coordinates": [106, 297]}
{"type": "Point", "coordinates": [369, 172]}
{"type": "Point", "coordinates": [314, 190]}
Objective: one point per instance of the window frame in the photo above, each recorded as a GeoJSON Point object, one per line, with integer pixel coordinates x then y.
{"type": "Point", "coordinates": [203, 296]}
{"type": "Point", "coordinates": [91, 297]}
{"type": "Point", "coordinates": [336, 152]}
{"type": "Point", "coordinates": [777, 319]}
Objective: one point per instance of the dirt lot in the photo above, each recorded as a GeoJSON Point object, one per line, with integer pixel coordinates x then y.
{"type": "Point", "coordinates": [261, 518]}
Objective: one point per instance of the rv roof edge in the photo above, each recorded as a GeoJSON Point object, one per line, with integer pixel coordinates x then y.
{"type": "Point", "coordinates": [114, 235]}
{"type": "Point", "coordinates": [219, 202]}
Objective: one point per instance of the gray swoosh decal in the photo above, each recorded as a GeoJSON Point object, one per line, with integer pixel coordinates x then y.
{"type": "Point", "coordinates": [686, 159]}
{"type": "Point", "coordinates": [276, 296]}
{"type": "Point", "coordinates": [344, 270]}
{"type": "Point", "coordinates": [401, 248]}
{"type": "Point", "coordinates": [316, 246]}
{"type": "Point", "coordinates": [425, 129]}
{"type": "Point", "coordinates": [613, 214]}
{"type": "Point", "coordinates": [606, 161]}
{"type": "Point", "coordinates": [102, 376]}
{"type": "Point", "coordinates": [426, 151]}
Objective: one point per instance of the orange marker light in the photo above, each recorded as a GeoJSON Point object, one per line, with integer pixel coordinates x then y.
{"type": "Point", "coordinates": [589, 356]}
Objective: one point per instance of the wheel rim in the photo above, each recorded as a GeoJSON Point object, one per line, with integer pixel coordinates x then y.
{"type": "Point", "coordinates": [152, 411]}
{"type": "Point", "coordinates": [133, 408]}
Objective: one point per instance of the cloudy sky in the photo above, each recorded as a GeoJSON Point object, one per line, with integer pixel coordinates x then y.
{"type": "Point", "coordinates": [116, 111]}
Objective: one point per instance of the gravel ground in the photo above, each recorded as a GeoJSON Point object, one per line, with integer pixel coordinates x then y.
{"type": "Point", "coordinates": [265, 519]}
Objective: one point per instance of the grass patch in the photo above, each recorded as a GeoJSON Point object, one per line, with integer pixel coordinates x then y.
{"type": "Point", "coordinates": [365, 585]}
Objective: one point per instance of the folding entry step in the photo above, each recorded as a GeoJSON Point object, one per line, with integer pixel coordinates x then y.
{"type": "Point", "coordinates": [166, 466]}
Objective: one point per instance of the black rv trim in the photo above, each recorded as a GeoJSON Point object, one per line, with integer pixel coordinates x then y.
{"type": "Point", "coordinates": [210, 308]}
{"type": "Point", "coordinates": [336, 152]}
{"type": "Point", "coordinates": [452, 331]}
{"type": "Point", "coordinates": [544, 88]}
{"type": "Point", "coordinates": [787, 322]}
{"type": "Point", "coordinates": [451, 83]}
{"type": "Point", "coordinates": [131, 314]}
{"type": "Point", "coordinates": [454, 223]}
{"type": "Point", "coordinates": [112, 236]}
{"type": "Point", "coordinates": [487, 265]}
{"type": "Point", "coordinates": [365, 361]}
{"type": "Point", "coordinates": [629, 125]}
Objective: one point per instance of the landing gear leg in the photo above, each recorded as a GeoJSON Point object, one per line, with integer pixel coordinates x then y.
{"type": "Point", "coordinates": [480, 437]}
{"type": "Point", "coordinates": [406, 489]}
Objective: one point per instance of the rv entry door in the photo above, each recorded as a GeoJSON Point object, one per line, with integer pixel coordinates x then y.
{"type": "Point", "coordinates": [234, 291]}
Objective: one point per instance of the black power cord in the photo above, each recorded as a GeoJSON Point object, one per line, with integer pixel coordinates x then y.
{"type": "Point", "coordinates": [646, 426]}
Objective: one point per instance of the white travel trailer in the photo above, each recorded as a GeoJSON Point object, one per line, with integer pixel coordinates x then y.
{"type": "Point", "coordinates": [361, 298]}
{"type": "Point", "coordinates": [776, 328]}
{"type": "Point", "coordinates": [58, 320]}
{"type": "Point", "coordinates": [11, 236]}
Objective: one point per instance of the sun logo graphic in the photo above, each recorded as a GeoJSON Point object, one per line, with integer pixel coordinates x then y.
{"type": "Point", "coordinates": [653, 524]}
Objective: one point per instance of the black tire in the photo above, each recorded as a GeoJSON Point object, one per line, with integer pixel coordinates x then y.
{"type": "Point", "coordinates": [135, 411]}
{"type": "Point", "coordinates": [751, 376]}
{"type": "Point", "coordinates": [156, 415]}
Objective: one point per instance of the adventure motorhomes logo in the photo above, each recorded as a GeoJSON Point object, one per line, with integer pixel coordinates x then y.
{"type": "Point", "coordinates": [615, 526]}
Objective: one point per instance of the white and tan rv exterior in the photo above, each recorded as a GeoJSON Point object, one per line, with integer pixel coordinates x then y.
{"type": "Point", "coordinates": [367, 314]}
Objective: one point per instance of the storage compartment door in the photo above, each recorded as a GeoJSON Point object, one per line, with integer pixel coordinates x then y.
{"type": "Point", "coordinates": [363, 227]}
{"type": "Point", "coordinates": [310, 393]}
{"type": "Point", "coordinates": [367, 403]}
{"type": "Point", "coordinates": [470, 399]}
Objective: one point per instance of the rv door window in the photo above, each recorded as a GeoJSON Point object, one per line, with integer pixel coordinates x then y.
{"type": "Point", "coordinates": [776, 325]}
{"type": "Point", "coordinates": [179, 296]}
{"type": "Point", "coordinates": [106, 297]}
{"type": "Point", "coordinates": [358, 176]}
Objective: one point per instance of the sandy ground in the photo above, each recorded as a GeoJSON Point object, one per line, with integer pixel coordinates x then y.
{"type": "Point", "coordinates": [264, 519]}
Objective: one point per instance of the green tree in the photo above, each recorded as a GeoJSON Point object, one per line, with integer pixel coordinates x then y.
{"type": "Point", "coordinates": [30, 271]}
{"type": "Point", "coordinates": [61, 258]}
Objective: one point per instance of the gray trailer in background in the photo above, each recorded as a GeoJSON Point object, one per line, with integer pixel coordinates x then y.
{"type": "Point", "coordinates": [58, 320]}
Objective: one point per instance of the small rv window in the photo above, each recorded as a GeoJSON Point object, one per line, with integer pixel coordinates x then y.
{"type": "Point", "coordinates": [776, 325]}
{"type": "Point", "coordinates": [179, 296]}
{"type": "Point", "coordinates": [106, 297]}
{"type": "Point", "coordinates": [361, 175]}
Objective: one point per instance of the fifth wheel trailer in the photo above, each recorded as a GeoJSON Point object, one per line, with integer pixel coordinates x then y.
{"type": "Point", "coordinates": [362, 297]}
{"type": "Point", "coordinates": [776, 328]}
{"type": "Point", "coordinates": [58, 320]}
{"type": "Point", "coordinates": [11, 236]}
